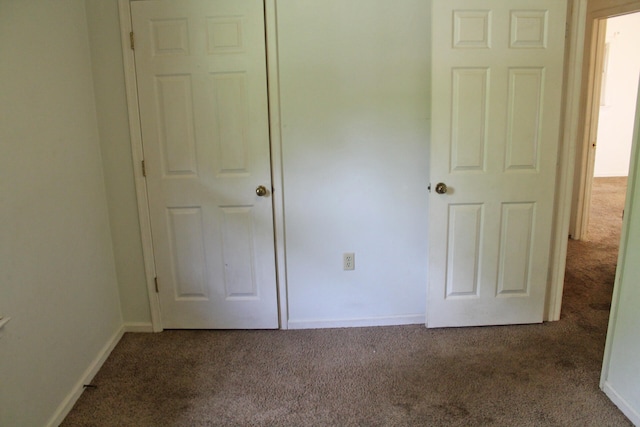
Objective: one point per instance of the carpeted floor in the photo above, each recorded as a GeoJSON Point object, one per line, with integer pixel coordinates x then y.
{"type": "Point", "coordinates": [532, 375]}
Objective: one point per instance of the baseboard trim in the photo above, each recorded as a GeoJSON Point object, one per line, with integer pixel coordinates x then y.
{"type": "Point", "coordinates": [411, 319]}
{"type": "Point", "coordinates": [138, 327]}
{"type": "Point", "coordinates": [621, 403]}
{"type": "Point", "coordinates": [86, 378]}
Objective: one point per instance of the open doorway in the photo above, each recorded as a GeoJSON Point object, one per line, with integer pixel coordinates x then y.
{"type": "Point", "coordinates": [619, 69]}
{"type": "Point", "coordinates": [613, 80]}
{"type": "Point", "coordinates": [592, 257]}
{"type": "Point", "coordinates": [615, 101]}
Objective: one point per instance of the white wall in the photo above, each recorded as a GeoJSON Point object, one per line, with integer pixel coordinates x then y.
{"type": "Point", "coordinates": [57, 275]}
{"type": "Point", "coordinates": [621, 367]}
{"type": "Point", "coordinates": [615, 124]}
{"type": "Point", "coordinates": [354, 79]}
{"type": "Point", "coordinates": [113, 125]}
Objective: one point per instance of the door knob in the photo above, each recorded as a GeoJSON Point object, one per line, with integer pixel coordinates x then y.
{"type": "Point", "coordinates": [261, 191]}
{"type": "Point", "coordinates": [441, 188]}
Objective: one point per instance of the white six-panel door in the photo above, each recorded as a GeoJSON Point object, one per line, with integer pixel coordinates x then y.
{"type": "Point", "coordinates": [201, 75]}
{"type": "Point", "coordinates": [497, 83]}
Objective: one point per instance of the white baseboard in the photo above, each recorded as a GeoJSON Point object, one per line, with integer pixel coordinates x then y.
{"type": "Point", "coordinates": [411, 319]}
{"type": "Point", "coordinates": [67, 404]}
{"type": "Point", "coordinates": [621, 403]}
{"type": "Point", "coordinates": [138, 327]}
{"type": "Point", "coordinates": [613, 175]}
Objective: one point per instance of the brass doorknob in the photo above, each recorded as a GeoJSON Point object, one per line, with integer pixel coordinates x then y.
{"type": "Point", "coordinates": [261, 191]}
{"type": "Point", "coordinates": [441, 188]}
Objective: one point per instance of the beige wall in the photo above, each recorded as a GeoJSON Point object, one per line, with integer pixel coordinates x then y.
{"type": "Point", "coordinates": [57, 275]}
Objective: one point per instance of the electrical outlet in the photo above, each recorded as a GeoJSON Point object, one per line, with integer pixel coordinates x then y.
{"type": "Point", "coordinates": [349, 261]}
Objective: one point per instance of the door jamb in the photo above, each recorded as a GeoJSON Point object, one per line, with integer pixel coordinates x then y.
{"type": "Point", "coordinates": [137, 153]}
{"type": "Point", "coordinates": [576, 19]}
{"type": "Point", "coordinates": [275, 131]}
{"type": "Point", "coordinates": [596, 32]}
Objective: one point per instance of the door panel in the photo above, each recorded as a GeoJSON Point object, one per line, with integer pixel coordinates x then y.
{"type": "Point", "coordinates": [523, 120]}
{"type": "Point", "coordinates": [515, 248]}
{"type": "Point", "coordinates": [201, 74]}
{"type": "Point", "coordinates": [465, 234]}
{"type": "Point", "coordinates": [497, 83]}
{"type": "Point", "coordinates": [469, 118]}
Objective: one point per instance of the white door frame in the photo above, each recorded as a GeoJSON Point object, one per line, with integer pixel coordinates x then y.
{"type": "Point", "coordinates": [593, 64]}
{"type": "Point", "coordinates": [570, 133]}
{"type": "Point", "coordinates": [138, 156]}
{"type": "Point", "coordinates": [273, 93]}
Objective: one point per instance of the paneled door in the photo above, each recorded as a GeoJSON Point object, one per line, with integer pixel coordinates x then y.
{"type": "Point", "coordinates": [201, 76]}
{"type": "Point", "coordinates": [497, 84]}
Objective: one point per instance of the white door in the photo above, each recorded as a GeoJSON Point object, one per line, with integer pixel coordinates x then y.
{"type": "Point", "coordinates": [497, 83]}
{"type": "Point", "coordinates": [201, 74]}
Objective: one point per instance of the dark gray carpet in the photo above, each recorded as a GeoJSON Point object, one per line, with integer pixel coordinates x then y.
{"type": "Point", "coordinates": [533, 375]}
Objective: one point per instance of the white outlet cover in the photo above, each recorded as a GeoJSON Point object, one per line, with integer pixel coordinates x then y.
{"type": "Point", "coordinates": [349, 261]}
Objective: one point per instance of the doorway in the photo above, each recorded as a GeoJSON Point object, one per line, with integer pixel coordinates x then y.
{"type": "Point", "coordinates": [592, 251]}
{"type": "Point", "coordinates": [614, 105]}
{"type": "Point", "coordinates": [610, 78]}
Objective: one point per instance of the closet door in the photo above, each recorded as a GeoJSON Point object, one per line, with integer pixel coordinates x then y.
{"type": "Point", "coordinates": [201, 75]}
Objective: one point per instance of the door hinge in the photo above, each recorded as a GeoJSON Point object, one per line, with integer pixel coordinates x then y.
{"type": "Point", "coordinates": [144, 169]}
{"type": "Point", "coordinates": [155, 280]}
{"type": "Point", "coordinates": [429, 187]}
{"type": "Point", "coordinates": [132, 40]}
